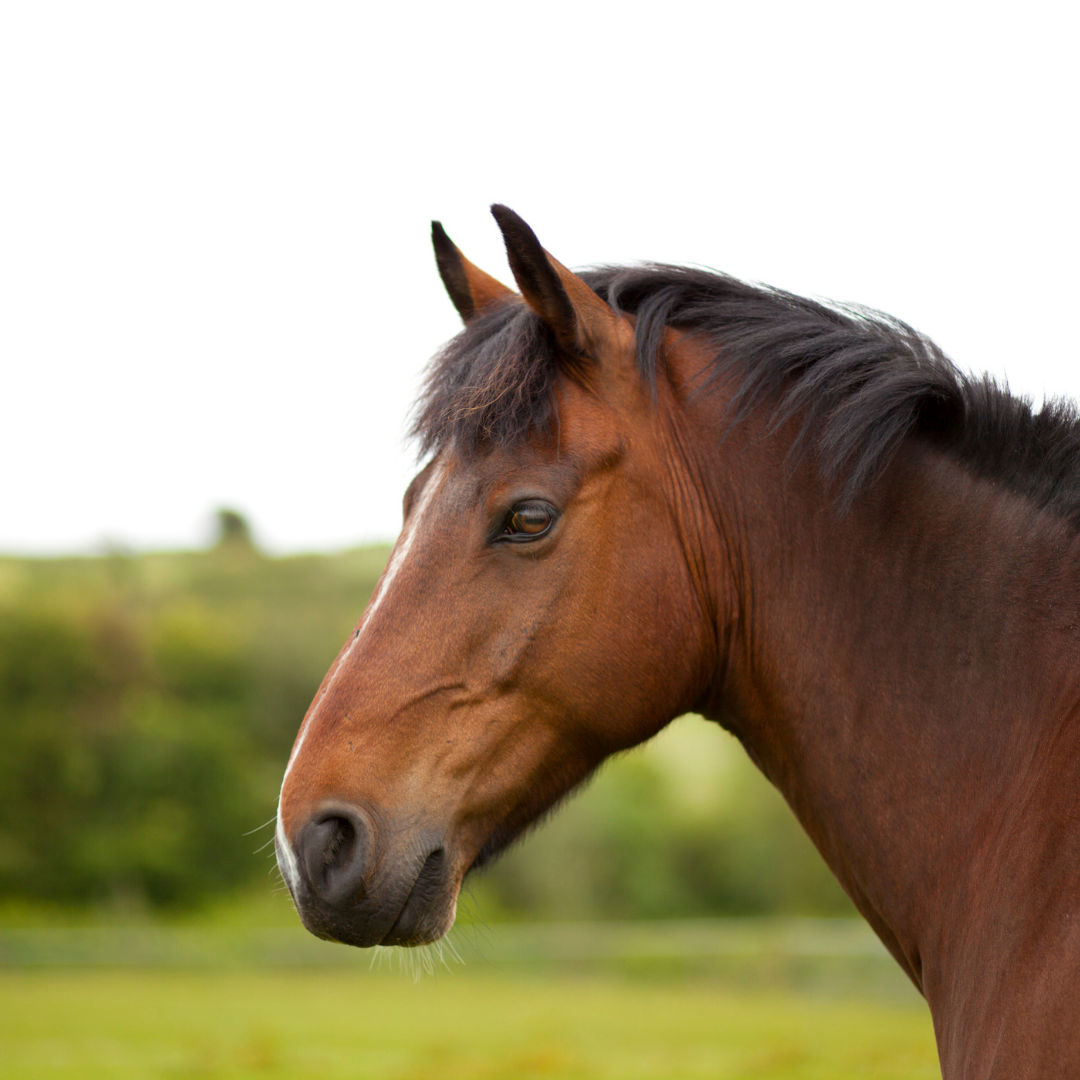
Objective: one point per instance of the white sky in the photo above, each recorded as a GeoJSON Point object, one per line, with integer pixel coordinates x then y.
{"type": "Point", "coordinates": [216, 286]}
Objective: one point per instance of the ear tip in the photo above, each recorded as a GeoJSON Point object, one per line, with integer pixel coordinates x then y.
{"type": "Point", "coordinates": [505, 216]}
{"type": "Point", "coordinates": [445, 248]}
{"type": "Point", "coordinates": [517, 232]}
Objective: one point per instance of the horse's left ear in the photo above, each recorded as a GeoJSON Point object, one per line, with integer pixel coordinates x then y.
{"type": "Point", "coordinates": [471, 289]}
{"type": "Point", "coordinates": [581, 320]}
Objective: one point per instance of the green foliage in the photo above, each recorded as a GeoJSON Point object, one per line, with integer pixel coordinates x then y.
{"type": "Point", "coordinates": [684, 826]}
{"type": "Point", "coordinates": [147, 707]}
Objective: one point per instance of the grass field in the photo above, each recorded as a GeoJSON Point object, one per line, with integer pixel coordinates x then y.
{"type": "Point", "coordinates": [326, 1024]}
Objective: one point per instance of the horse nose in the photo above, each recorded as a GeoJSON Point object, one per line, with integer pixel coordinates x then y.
{"type": "Point", "coordinates": [333, 852]}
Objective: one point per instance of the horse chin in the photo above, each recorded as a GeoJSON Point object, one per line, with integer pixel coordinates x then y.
{"type": "Point", "coordinates": [427, 927]}
{"type": "Point", "coordinates": [423, 916]}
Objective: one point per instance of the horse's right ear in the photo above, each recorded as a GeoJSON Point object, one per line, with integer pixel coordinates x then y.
{"type": "Point", "coordinates": [470, 289]}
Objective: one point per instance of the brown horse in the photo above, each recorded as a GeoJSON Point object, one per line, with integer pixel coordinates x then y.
{"type": "Point", "coordinates": [656, 490]}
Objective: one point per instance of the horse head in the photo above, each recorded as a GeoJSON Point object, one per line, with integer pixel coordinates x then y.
{"type": "Point", "coordinates": [538, 612]}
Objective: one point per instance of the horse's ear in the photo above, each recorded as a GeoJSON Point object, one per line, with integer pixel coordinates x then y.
{"type": "Point", "coordinates": [581, 320]}
{"type": "Point", "coordinates": [470, 289]}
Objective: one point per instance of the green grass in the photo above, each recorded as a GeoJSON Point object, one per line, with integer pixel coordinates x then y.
{"type": "Point", "coordinates": [454, 1026]}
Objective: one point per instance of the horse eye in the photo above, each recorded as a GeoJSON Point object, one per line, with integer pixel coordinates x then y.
{"type": "Point", "coordinates": [529, 520]}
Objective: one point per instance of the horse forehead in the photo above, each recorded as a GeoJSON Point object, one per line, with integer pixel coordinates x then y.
{"type": "Point", "coordinates": [588, 432]}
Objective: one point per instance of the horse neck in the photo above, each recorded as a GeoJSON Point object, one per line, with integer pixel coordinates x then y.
{"type": "Point", "coordinates": [906, 674]}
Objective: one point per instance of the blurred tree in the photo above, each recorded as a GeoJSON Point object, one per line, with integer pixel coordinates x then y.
{"type": "Point", "coordinates": [147, 705]}
{"type": "Point", "coordinates": [234, 530]}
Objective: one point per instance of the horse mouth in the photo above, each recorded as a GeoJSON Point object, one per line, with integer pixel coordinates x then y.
{"type": "Point", "coordinates": [410, 926]}
{"type": "Point", "coordinates": [418, 913]}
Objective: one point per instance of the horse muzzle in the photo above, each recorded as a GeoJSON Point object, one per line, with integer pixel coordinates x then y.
{"type": "Point", "coordinates": [351, 885]}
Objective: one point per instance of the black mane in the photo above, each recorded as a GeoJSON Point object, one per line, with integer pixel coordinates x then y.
{"type": "Point", "coordinates": [862, 382]}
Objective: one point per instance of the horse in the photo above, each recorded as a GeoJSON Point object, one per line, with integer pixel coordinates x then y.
{"type": "Point", "coordinates": [652, 490]}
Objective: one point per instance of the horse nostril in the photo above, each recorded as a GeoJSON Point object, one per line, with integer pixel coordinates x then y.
{"type": "Point", "coordinates": [340, 840]}
{"type": "Point", "coordinates": [333, 850]}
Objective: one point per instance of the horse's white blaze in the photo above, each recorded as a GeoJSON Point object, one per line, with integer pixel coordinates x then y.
{"type": "Point", "coordinates": [286, 858]}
